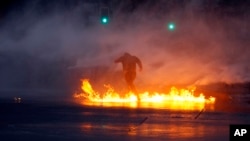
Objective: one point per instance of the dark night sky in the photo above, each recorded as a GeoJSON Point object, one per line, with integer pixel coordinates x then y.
{"type": "Point", "coordinates": [9, 5]}
{"type": "Point", "coordinates": [10, 8]}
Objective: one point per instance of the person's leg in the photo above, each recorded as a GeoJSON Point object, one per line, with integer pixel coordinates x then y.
{"type": "Point", "coordinates": [130, 77]}
{"type": "Point", "coordinates": [128, 81]}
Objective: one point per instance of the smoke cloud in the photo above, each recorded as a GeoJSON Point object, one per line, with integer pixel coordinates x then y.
{"type": "Point", "coordinates": [207, 45]}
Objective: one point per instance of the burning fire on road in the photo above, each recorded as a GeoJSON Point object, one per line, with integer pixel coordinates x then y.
{"type": "Point", "coordinates": [176, 99]}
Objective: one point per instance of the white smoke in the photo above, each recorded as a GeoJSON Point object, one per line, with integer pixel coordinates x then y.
{"type": "Point", "coordinates": [203, 49]}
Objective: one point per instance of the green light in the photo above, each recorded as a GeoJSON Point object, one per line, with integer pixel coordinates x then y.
{"type": "Point", "coordinates": [104, 20]}
{"type": "Point", "coordinates": [171, 26]}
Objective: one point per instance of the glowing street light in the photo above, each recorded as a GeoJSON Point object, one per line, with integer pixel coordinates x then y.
{"type": "Point", "coordinates": [171, 26]}
{"type": "Point", "coordinates": [104, 15]}
{"type": "Point", "coordinates": [104, 20]}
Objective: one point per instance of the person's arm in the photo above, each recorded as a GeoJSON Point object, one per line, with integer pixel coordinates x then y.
{"type": "Point", "coordinates": [138, 61]}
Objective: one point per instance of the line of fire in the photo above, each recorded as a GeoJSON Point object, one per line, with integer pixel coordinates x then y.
{"type": "Point", "coordinates": [175, 99]}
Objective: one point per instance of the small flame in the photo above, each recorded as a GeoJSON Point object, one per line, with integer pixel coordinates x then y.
{"type": "Point", "coordinates": [183, 98]}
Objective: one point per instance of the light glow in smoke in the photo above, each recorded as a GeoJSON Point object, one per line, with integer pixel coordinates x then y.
{"type": "Point", "coordinates": [171, 26]}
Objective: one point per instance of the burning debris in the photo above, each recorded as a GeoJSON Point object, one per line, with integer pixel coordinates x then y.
{"type": "Point", "coordinates": [176, 98]}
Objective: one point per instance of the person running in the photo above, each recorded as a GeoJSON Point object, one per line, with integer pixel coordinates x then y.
{"type": "Point", "coordinates": [129, 70]}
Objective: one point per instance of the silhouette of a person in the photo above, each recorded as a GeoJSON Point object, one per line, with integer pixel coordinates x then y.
{"type": "Point", "coordinates": [129, 69]}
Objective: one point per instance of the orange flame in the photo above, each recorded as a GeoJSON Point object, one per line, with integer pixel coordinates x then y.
{"type": "Point", "coordinates": [180, 99]}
